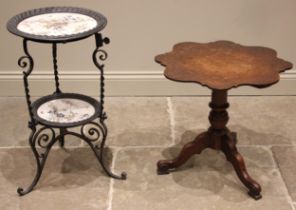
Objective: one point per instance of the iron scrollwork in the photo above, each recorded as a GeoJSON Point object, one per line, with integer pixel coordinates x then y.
{"type": "Point", "coordinates": [95, 137]}
{"type": "Point", "coordinates": [43, 137]}
{"type": "Point", "coordinates": [27, 63]}
{"type": "Point", "coordinates": [93, 132]}
{"type": "Point", "coordinates": [41, 143]}
{"type": "Point", "coordinates": [102, 55]}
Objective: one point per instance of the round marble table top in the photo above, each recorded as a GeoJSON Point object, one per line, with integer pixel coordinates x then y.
{"type": "Point", "coordinates": [65, 110]}
{"type": "Point", "coordinates": [223, 65]}
{"type": "Point", "coordinates": [56, 24]}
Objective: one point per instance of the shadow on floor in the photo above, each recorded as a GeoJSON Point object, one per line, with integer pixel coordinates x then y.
{"type": "Point", "coordinates": [64, 169]}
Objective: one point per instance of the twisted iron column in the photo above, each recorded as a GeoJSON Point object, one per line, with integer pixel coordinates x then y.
{"type": "Point", "coordinates": [55, 67]}
{"type": "Point", "coordinates": [100, 41]}
{"type": "Point", "coordinates": [57, 85]}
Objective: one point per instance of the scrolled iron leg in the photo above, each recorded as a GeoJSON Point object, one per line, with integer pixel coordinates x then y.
{"type": "Point", "coordinates": [237, 161]}
{"type": "Point", "coordinates": [44, 142]}
{"type": "Point", "coordinates": [93, 134]}
{"type": "Point", "coordinates": [123, 175]}
{"type": "Point", "coordinates": [99, 153]}
{"type": "Point", "coordinates": [101, 55]}
{"type": "Point", "coordinates": [21, 191]}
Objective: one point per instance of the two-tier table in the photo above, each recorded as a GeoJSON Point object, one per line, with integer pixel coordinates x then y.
{"type": "Point", "coordinates": [220, 66]}
{"type": "Point", "coordinates": [53, 116]}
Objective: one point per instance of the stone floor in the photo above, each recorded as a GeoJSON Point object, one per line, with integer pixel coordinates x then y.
{"type": "Point", "coordinates": [143, 130]}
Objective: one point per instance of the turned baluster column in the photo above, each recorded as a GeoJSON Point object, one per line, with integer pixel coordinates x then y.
{"type": "Point", "coordinates": [218, 117]}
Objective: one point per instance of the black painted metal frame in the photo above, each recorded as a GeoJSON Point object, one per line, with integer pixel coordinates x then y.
{"type": "Point", "coordinates": [45, 134]}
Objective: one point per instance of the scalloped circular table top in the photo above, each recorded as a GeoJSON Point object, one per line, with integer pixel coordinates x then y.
{"type": "Point", "coordinates": [223, 64]}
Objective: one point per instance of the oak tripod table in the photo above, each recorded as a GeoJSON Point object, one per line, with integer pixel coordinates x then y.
{"type": "Point", "coordinates": [220, 66]}
{"type": "Point", "coordinates": [52, 117]}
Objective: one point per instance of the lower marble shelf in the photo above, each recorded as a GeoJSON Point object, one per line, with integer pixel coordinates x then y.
{"type": "Point", "coordinates": [65, 110]}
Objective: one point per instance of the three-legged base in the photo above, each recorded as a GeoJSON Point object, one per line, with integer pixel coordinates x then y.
{"type": "Point", "coordinates": [41, 141]}
{"type": "Point", "coordinates": [218, 137]}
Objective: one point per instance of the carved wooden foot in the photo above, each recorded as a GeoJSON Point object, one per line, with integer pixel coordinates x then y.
{"type": "Point", "coordinates": [194, 147]}
{"type": "Point", "coordinates": [228, 146]}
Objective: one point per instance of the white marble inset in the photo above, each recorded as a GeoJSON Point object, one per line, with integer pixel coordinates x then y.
{"type": "Point", "coordinates": [65, 110]}
{"type": "Point", "coordinates": [57, 24]}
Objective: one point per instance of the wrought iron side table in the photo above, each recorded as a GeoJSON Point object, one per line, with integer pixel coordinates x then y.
{"type": "Point", "coordinates": [220, 66]}
{"type": "Point", "coordinates": [52, 115]}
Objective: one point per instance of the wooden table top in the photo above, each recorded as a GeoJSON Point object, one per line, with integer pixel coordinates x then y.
{"type": "Point", "coordinates": [223, 64]}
